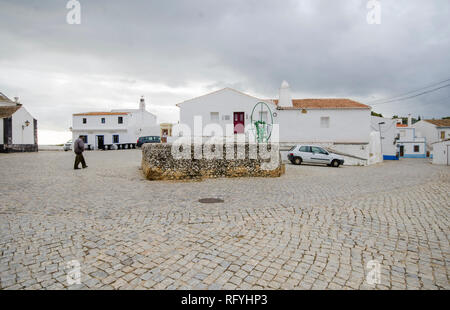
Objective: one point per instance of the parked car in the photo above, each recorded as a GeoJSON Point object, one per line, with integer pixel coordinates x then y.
{"type": "Point", "coordinates": [314, 155]}
{"type": "Point", "coordinates": [148, 139]}
{"type": "Point", "coordinates": [67, 146]}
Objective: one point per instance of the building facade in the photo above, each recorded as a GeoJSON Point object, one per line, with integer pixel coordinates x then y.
{"type": "Point", "coordinates": [441, 152]}
{"type": "Point", "coordinates": [433, 130]}
{"type": "Point", "coordinates": [388, 135]}
{"type": "Point", "coordinates": [409, 144]}
{"type": "Point", "coordinates": [114, 129]}
{"type": "Point", "coordinates": [341, 125]}
{"type": "Point", "coordinates": [18, 128]}
{"type": "Point", "coordinates": [166, 131]}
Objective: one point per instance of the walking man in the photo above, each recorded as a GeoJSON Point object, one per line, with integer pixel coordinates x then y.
{"type": "Point", "coordinates": [78, 148]}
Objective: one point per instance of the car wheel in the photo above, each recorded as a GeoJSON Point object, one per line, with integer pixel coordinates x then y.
{"type": "Point", "coordinates": [335, 163]}
{"type": "Point", "coordinates": [297, 161]}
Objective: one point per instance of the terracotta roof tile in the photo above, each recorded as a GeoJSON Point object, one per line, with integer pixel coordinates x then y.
{"type": "Point", "coordinates": [329, 103]}
{"type": "Point", "coordinates": [439, 122]}
{"type": "Point", "coordinates": [101, 113]}
{"type": "Point", "coordinates": [7, 111]}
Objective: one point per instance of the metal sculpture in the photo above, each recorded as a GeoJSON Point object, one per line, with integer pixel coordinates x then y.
{"type": "Point", "coordinates": [262, 122]}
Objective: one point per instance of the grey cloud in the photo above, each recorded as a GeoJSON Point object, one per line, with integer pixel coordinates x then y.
{"type": "Point", "coordinates": [323, 48]}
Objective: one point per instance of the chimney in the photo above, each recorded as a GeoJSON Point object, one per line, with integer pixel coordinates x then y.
{"type": "Point", "coordinates": [16, 99]}
{"type": "Point", "coordinates": [285, 99]}
{"type": "Point", "coordinates": [142, 103]}
{"type": "Point", "coordinates": [409, 120]}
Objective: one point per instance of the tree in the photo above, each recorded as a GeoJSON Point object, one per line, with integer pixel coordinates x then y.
{"type": "Point", "coordinates": [376, 114]}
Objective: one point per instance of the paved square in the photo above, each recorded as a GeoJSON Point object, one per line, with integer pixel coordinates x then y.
{"type": "Point", "coordinates": [313, 228]}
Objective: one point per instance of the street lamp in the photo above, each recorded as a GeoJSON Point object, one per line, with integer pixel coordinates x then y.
{"type": "Point", "coordinates": [27, 123]}
{"type": "Point", "coordinates": [381, 142]}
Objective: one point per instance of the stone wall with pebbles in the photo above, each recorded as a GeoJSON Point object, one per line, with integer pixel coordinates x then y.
{"type": "Point", "coordinates": [198, 161]}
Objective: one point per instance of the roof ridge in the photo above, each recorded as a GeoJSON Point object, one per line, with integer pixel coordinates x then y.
{"type": "Point", "coordinates": [216, 91]}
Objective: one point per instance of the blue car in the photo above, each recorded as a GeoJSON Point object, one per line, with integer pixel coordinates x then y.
{"type": "Point", "coordinates": [148, 139]}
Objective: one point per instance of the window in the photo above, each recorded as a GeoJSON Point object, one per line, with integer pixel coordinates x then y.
{"type": "Point", "coordinates": [103, 120]}
{"type": "Point", "coordinates": [84, 120]}
{"type": "Point", "coordinates": [84, 138]}
{"type": "Point", "coordinates": [442, 135]}
{"type": "Point", "coordinates": [120, 120]}
{"type": "Point", "coordinates": [319, 150]}
{"type": "Point", "coordinates": [305, 149]}
{"type": "Point", "coordinates": [416, 148]}
{"type": "Point", "coordinates": [115, 138]}
{"type": "Point", "coordinates": [325, 122]}
{"type": "Point", "coordinates": [214, 116]}
{"type": "Point", "coordinates": [226, 117]}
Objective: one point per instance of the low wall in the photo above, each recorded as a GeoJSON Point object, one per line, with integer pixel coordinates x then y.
{"type": "Point", "coordinates": [11, 148]}
{"type": "Point", "coordinates": [197, 161]}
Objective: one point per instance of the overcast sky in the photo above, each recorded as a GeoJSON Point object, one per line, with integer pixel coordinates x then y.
{"type": "Point", "coordinates": [170, 51]}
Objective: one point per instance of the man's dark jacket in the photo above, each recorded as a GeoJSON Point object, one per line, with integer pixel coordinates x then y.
{"type": "Point", "coordinates": [78, 146]}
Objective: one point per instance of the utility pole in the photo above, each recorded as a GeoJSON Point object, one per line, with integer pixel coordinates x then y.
{"type": "Point", "coordinates": [381, 141]}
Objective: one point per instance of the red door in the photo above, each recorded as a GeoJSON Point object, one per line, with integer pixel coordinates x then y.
{"type": "Point", "coordinates": [238, 122]}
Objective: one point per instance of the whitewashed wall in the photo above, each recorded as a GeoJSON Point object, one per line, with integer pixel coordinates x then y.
{"type": "Point", "coordinates": [25, 135]}
{"type": "Point", "coordinates": [135, 124]}
{"type": "Point", "coordinates": [345, 125]}
{"type": "Point", "coordinates": [430, 132]}
{"type": "Point", "coordinates": [93, 122]}
{"type": "Point", "coordinates": [375, 155]}
{"type": "Point", "coordinates": [142, 123]}
{"type": "Point", "coordinates": [441, 154]}
{"type": "Point", "coordinates": [388, 134]}
{"type": "Point", "coordinates": [225, 102]}
{"type": "Point", "coordinates": [408, 148]}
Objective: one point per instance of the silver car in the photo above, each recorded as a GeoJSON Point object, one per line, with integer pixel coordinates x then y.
{"type": "Point", "coordinates": [313, 154]}
{"type": "Point", "coordinates": [67, 146]}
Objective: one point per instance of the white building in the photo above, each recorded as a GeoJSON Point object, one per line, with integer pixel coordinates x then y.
{"type": "Point", "coordinates": [388, 135]}
{"type": "Point", "coordinates": [114, 129]}
{"type": "Point", "coordinates": [433, 130]}
{"type": "Point", "coordinates": [410, 144]}
{"type": "Point", "coordinates": [341, 125]}
{"type": "Point", "coordinates": [441, 152]}
{"type": "Point", "coordinates": [18, 128]}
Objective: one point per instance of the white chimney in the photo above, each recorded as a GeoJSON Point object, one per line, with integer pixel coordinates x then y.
{"type": "Point", "coordinates": [409, 120]}
{"type": "Point", "coordinates": [142, 103]}
{"type": "Point", "coordinates": [285, 99]}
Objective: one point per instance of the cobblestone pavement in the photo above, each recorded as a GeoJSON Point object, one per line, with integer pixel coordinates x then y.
{"type": "Point", "coordinates": [314, 228]}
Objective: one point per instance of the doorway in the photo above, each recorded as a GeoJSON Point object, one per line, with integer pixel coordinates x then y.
{"type": "Point", "coordinates": [402, 150]}
{"type": "Point", "coordinates": [239, 122]}
{"type": "Point", "coordinates": [101, 142]}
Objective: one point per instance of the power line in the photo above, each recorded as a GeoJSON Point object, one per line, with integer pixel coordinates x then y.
{"type": "Point", "coordinates": [410, 92]}
{"type": "Point", "coordinates": [413, 96]}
